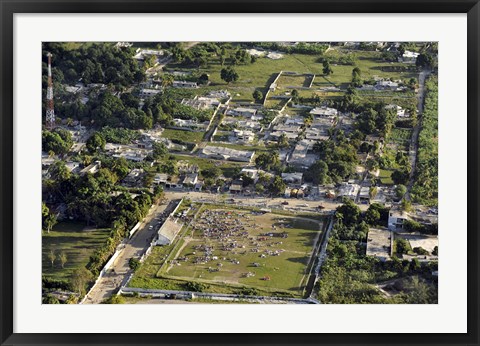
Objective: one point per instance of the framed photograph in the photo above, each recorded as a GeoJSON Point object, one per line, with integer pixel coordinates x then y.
{"type": "Point", "coordinates": [246, 172]}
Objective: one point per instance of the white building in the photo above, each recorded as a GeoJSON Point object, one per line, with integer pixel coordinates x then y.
{"type": "Point", "coordinates": [409, 57]}
{"type": "Point", "coordinates": [168, 231]}
{"type": "Point", "coordinates": [401, 113]}
{"type": "Point", "coordinates": [243, 112]}
{"type": "Point", "coordinates": [184, 84]}
{"type": "Point", "coordinates": [348, 190]}
{"type": "Point", "coordinates": [386, 85]}
{"type": "Point", "coordinates": [146, 92]}
{"type": "Point", "coordinates": [295, 178]}
{"type": "Point", "coordinates": [92, 168]}
{"type": "Point", "coordinates": [396, 218]}
{"type": "Point", "coordinates": [243, 136]}
{"type": "Point", "coordinates": [222, 153]}
{"type": "Point", "coordinates": [324, 112]}
{"type": "Point", "coordinates": [190, 179]}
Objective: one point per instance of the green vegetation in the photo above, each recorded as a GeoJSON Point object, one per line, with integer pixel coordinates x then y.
{"type": "Point", "coordinates": [350, 277]}
{"type": "Point", "coordinates": [386, 177]}
{"type": "Point", "coordinates": [180, 136]}
{"type": "Point", "coordinates": [93, 63]}
{"type": "Point", "coordinates": [58, 141]}
{"type": "Point", "coordinates": [425, 187]}
{"type": "Point", "coordinates": [119, 135]}
{"type": "Point", "coordinates": [228, 168]}
{"type": "Point", "coordinates": [284, 274]}
{"type": "Point", "coordinates": [74, 239]}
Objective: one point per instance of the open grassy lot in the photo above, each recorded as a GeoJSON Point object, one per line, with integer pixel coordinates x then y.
{"type": "Point", "coordinates": [386, 176]}
{"type": "Point", "coordinates": [185, 136]}
{"type": "Point", "coordinates": [228, 168]}
{"type": "Point", "coordinates": [267, 253]}
{"type": "Point", "coordinates": [261, 74]}
{"type": "Point", "coordinates": [76, 241]}
{"type": "Point", "coordinates": [296, 81]}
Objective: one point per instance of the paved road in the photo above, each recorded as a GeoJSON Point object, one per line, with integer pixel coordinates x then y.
{"type": "Point", "coordinates": [135, 247]}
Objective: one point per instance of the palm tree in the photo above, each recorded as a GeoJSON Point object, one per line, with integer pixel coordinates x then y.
{"type": "Point", "coordinates": [167, 80]}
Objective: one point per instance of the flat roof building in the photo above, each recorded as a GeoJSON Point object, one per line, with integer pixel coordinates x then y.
{"type": "Point", "coordinates": [222, 153]}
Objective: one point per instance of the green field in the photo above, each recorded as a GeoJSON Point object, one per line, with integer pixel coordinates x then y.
{"type": "Point", "coordinates": [184, 136]}
{"type": "Point", "coordinates": [248, 257]}
{"type": "Point", "coordinates": [263, 72]}
{"type": "Point", "coordinates": [386, 176]}
{"type": "Point", "coordinates": [74, 239]}
{"type": "Point", "coordinates": [229, 168]}
{"type": "Point", "coordinates": [297, 81]}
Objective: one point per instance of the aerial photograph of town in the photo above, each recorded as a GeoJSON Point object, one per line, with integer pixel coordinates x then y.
{"type": "Point", "coordinates": [239, 172]}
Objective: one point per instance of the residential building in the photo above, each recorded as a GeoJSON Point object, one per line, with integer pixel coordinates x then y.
{"type": "Point", "coordinates": [396, 218]}
{"type": "Point", "coordinates": [379, 242]}
{"type": "Point", "coordinates": [409, 57]}
{"type": "Point", "coordinates": [243, 112]}
{"type": "Point", "coordinates": [184, 84]}
{"type": "Point", "coordinates": [236, 186]}
{"type": "Point", "coordinates": [92, 168]}
{"type": "Point", "coordinates": [190, 179]}
{"type": "Point", "coordinates": [243, 136]}
{"type": "Point", "coordinates": [222, 153]}
{"type": "Point", "coordinates": [324, 112]}
{"type": "Point", "coordinates": [295, 178]}
{"type": "Point", "coordinates": [348, 190]}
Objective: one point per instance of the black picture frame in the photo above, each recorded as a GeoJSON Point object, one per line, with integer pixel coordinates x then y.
{"type": "Point", "coordinates": [9, 8]}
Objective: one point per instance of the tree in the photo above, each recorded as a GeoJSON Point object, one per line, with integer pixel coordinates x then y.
{"type": "Point", "coordinates": [278, 186]}
{"type": "Point", "coordinates": [400, 176]}
{"type": "Point", "coordinates": [95, 142]}
{"type": "Point", "coordinates": [400, 190]}
{"type": "Point", "coordinates": [167, 80]}
{"type": "Point", "coordinates": [372, 216]}
{"type": "Point", "coordinates": [50, 221]}
{"type": "Point", "coordinates": [327, 70]}
{"type": "Point", "coordinates": [114, 299]}
{"type": "Point", "coordinates": [160, 150]}
{"type": "Point", "coordinates": [211, 173]}
{"type": "Point", "coordinates": [349, 212]}
{"type": "Point", "coordinates": [283, 141]}
{"type": "Point", "coordinates": [317, 173]}
{"type": "Point", "coordinates": [258, 96]}
{"type": "Point", "coordinates": [357, 77]}
{"type": "Point", "coordinates": [294, 95]}
{"type": "Point", "coordinates": [203, 79]}
{"type": "Point", "coordinates": [425, 60]}
{"type": "Point", "coordinates": [49, 299]}
{"type": "Point", "coordinates": [406, 205]}
{"type": "Point", "coordinates": [229, 75]}
{"type": "Point", "coordinates": [403, 246]}
{"type": "Point", "coordinates": [435, 251]}
{"type": "Point", "coordinates": [51, 257]}
{"type": "Point", "coordinates": [259, 188]}
{"type": "Point", "coordinates": [267, 160]}
{"type": "Point", "coordinates": [58, 141]}
{"type": "Point", "coordinates": [62, 257]}
{"type": "Point", "coordinates": [134, 263]}
{"type": "Point", "coordinates": [79, 280]}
